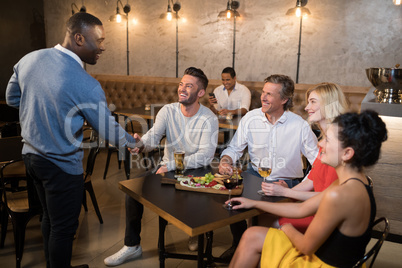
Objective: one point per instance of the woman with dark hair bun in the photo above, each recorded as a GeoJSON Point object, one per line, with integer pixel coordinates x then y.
{"type": "Point", "coordinates": [344, 212]}
{"type": "Point", "coordinates": [359, 135]}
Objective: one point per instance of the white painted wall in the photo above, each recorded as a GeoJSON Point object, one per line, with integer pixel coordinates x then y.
{"type": "Point", "coordinates": [339, 40]}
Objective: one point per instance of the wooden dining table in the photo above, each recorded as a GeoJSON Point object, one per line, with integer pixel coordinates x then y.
{"type": "Point", "coordinates": [195, 213]}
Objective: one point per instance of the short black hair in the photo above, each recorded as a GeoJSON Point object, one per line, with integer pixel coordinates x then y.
{"type": "Point", "coordinates": [364, 133]}
{"type": "Point", "coordinates": [81, 20]}
{"type": "Point", "coordinates": [202, 78]}
{"type": "Point", "coordinates": [229, 70]}
{"type": "Point", "coordinates": [288, 88]}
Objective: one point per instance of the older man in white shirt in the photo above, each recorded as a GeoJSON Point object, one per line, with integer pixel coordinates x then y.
{"type": "Point", "coordinates": [271, 132]}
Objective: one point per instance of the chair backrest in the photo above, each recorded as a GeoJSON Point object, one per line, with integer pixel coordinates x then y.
{"type": "Point", "coordinates": [11, 157]}
{"type": "Point", "coordinates": [373, 252]}
{"type": "Point", "coordinates": [12, 172]}
{"type": "Point", "coordinates": [10, 149]}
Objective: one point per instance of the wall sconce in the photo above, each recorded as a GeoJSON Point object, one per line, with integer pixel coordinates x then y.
{"type": "Point", "coordinates": [300, 11]}
{"type": "Point", "coordinates": [231, 11]}
{"type": "Point", "coordinates": [82, 9]}
{"type": "Point", "coordinates": [118, 18]}
{"type": "Point", "coordinates": [397, 2]}
{"type": "Point", "coordinates": [169, 14]}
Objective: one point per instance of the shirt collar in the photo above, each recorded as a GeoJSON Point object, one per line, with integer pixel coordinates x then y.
{"type": "Point", "coordinates": [224, 88]}
{"type": "Point", "coordinates": [281, 120]}
{"type": "Point", "coordinates": [70, 53]}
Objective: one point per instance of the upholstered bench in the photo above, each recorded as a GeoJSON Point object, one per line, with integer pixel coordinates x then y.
{"type": "Point", "coordinates": [125, 92]}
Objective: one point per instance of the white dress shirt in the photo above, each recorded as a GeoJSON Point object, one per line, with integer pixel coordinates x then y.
{"type": "Point", "coordinates": [282, 143]}
{"type": "Point", "coordinates": [240, 97]}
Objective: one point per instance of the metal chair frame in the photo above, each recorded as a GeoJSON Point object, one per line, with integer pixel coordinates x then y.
{"type": "Point", "coordinates": [93, 152]}
{"type": "Point", "coordinates": [20, 216]}
{"type": "Point", "coordinates": [373, 252]}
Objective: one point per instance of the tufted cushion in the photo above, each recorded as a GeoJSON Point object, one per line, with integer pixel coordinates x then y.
{"type": "Point", "coordinates": [126, 92]}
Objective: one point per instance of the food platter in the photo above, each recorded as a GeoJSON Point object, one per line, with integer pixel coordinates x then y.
{"type": "Point", "coordinates": [187, 183]}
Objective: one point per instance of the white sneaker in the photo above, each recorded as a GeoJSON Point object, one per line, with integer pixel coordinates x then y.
{"type": "Point", "coordinates": [193, 243]}
{"type": "Point", "coordinates": [124, 254]}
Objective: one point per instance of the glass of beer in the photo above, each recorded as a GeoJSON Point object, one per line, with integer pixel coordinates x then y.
{"type": "Point", "coordinates": [179, 161]}
{"type": "Point", "coordinates": [264, 169]}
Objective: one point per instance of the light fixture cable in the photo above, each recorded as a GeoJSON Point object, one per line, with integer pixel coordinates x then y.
{"type": "Point", "coordinates": [231, 10]}
{"type": "Point", "coordinates": [302, 12]}
{"type": "Point", "coordinates": [118, 18]}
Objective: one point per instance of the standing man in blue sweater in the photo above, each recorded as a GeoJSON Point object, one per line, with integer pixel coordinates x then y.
{"type": "Point", "coordinates": [55, 95]}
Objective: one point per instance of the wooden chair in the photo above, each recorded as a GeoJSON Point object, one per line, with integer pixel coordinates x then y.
{"type": "Point", "coordinates": [21, 203]}
{"type": "Point", "coordinates": [373, 252]}
{"type": "Point", "coordinates": [93, 152]}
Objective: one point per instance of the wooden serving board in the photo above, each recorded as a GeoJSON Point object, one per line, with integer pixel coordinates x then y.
{"type": "Point", "coordinates": [236, 191]}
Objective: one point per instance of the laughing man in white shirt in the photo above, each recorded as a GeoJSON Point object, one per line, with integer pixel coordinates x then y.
{"type": "Point", "coordinates": [231, 97]}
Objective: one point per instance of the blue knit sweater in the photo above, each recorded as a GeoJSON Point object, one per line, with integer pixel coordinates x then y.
{"type": "Point", "coordinates": [55, 95]}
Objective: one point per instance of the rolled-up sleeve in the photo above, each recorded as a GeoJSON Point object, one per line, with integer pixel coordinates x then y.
{"type": "Point", "coordinates": [238, 142]}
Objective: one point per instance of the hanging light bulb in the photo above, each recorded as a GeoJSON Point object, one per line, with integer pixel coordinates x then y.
{"type": "Point", "coordinates": [298, 12]}
{"type": "Point", "coordinates": [228, 14]}
{"type": "Point", "coordinates": [169, 12]}
{"type": "Point", "coordinates": [397, 2]}
{"type": "Point", "coordinates": [118, 18]}
{"type": "Point", "coordinates": [169, 16]}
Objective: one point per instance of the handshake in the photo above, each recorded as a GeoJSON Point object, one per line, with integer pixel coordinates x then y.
{"type": "Point", "coordinates": [139, 145]}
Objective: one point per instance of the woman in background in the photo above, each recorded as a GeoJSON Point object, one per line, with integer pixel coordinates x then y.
{"type": "Point", "coordinates": [339, 232]}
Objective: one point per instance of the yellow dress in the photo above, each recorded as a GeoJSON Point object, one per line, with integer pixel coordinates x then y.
{"type": "Point", "coordinates": [278, 251]}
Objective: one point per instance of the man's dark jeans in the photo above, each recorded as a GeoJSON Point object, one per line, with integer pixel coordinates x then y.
{"type": "Point", "coordinates": [60, 195]}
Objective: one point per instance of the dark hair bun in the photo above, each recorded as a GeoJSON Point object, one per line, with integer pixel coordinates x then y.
{"type": "Point", "coordinates": [373, 124]}
{"type": "Point", "coordinates": [363, 132]}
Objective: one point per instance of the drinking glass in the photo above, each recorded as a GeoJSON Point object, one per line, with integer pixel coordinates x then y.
{"type": "Point", "coordinates": [237, 170]}
{"type": "Point", "coordinates": [264, 169]}
{"type": "Point", "coordinates": [230, 183]}
{"type": "Point", "coordinates": [179, 161]}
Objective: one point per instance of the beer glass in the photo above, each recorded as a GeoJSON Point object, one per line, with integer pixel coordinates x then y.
{"type": "Point", "coordinates": [179, 161]}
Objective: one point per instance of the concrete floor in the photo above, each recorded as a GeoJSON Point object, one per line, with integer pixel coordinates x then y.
{"type": "Point", "coordinates": [95, 241]}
